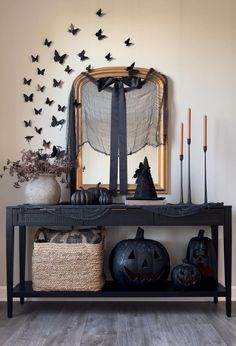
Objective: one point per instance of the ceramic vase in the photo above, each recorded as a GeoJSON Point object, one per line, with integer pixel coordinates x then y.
{"type": "Point", "coordinates": [43, 190]}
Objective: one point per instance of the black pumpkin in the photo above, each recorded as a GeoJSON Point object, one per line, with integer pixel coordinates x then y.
{"type": "Point", "coordinates": [82, 197]}
{"type": "Point", "coordinates": [186, 276]}
{"type": "Point", "coordinates": [201, 253]}
{"type": "Point", "coordinates": [97, 191]}
{"type": "Point", "coordinates": [139, 263]}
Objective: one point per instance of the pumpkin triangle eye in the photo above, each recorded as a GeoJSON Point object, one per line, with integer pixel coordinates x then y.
{"type": "Point", "coordinates": [131, 255]}
{"type": "Point", "coordinates": [156, 254]}
{"type": "Point", "coordinates": [144, 264]}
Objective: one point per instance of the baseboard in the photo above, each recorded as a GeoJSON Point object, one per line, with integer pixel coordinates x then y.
{"type": "Point", "coordinates": [3, 298]}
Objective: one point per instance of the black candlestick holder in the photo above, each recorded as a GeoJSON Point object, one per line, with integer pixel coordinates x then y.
{"type": "Point", "coordinates": [189, 200]}
{"type": "Point", "coordinates": [205, 175]}
{"type": "Point", "coordinates": [181, 200]}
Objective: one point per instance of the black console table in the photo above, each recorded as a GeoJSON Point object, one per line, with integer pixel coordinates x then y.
{"type": "Point", "coordinates": [118, 214]}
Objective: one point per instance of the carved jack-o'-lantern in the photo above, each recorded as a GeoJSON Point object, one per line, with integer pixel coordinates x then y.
{"type": "Point", "coordinates": [201, 253]}
{"type": "Point", "coordinates": [186, 276]}
{"type": "Point", "coordinates": [139, 263]}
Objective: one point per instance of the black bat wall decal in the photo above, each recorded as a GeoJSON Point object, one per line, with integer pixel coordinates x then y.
{"type": "Point", "coordinates": [37, 111]}
{"type": "Point", "coordinates": [28, 138]}
{"type": "Point", "coordinates": [40, 88]}
{"type": "Point", "coordinates": [56, 152]}
{"type": "Point", "coordinates": [99, 34]}
{"type": "Point", "coordinates": [89, 68]}
{"type": "Point", "coordinates": [131, 70]}
{"type": "Point", "coordinates": [38, 130]}
{"type": "Point", "coordinates": [76, 104]}
{"type": "Point", "coordinates": [128, 43]}
{"type": "Point", "coordinates": [109, 57]}
{"type": "Point", "coordinates": [82, 55]}
{"type": "Point", "coordinates": [27, 81]}
{"type": "Point", "coordinates": [47, 42]}
{"type": "Point", "coordinates": [57, 84]}
{"type": "Point", "coordinates": [56, 122]}
{"type": "Point", "coordinates": [61, 108]}
{"type": "Point", "coordinates": [27, 123]}
{"type": "Point", "coordinates": [46, 144]}
{"type": "Point", "coordinates": [68, 69]}
{"type": "Point", "coordinates": [28, 98]}
{"type": "Point", "coordinates": [35, 58]}
{"type": "Point", "coordinates": [74, 31]}
{"type": "Point", "coordinates": [59, 58]}
{"type": "Point", "coordinates": [40, 71]}
{"type": "Point", "coordinates": [99, 13]}
{"type": "Point", "coordinates": [48, 101]}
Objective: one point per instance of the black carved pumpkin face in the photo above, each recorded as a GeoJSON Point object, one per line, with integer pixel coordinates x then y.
{"type": "Point", "coordinates": [139, 262]}
{"type": "Point", "coordinates": [201, 253]}
{"type": "Point", "coordinates": [186, 276]}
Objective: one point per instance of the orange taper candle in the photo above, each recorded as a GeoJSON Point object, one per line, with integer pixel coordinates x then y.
{"type": "Point", "coordinates": [205, 131]}
{"type": "Point", "coordinates": [181, 148]}
{"type": "Point", "coordinates": [189, 123]}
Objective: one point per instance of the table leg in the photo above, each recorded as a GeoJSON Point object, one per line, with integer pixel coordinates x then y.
{"type": "Point", "coordinates": [9, 260]}
{"type": "Point", "coordinates": [22, 247]}
{"type": "Point", "coordinates": [214, 236]}
{"type": "Point", "coordinates": [228, 258]}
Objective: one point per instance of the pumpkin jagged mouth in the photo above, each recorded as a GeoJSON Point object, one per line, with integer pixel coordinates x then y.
{"type": "Point", "coordinates": [188, 282]}
{"type": "Point", "coordinates": [144, 277]}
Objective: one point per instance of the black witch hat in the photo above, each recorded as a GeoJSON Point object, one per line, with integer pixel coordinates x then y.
{"type": "Point", "coordinates": [145, 187]}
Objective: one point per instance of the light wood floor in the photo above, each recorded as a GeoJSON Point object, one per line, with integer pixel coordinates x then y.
{"type": "Point", "coordinates": [118, 324]}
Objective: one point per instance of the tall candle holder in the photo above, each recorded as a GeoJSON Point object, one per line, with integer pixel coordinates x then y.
{"type": "Point", "coordinates": [205, 175]}
{"type": "Point", "coordinates": [189, 200]}
{"type": "Point", "coordinates": [181, 200]}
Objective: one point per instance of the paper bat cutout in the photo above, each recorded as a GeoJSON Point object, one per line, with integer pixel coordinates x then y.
{"type": "Point", "coordinates": [47, 43]}
{"type": "Point", "coordinates": [99, 13]}
{"type": "Point", "coordinates": [61, 108]}
{"type": "Point", "coordinates": [57, 84]}
{"type": "Point", "coordinates": [82, 55]}
{"type": "Point", "coordinates": [56, 152]}
{"type": "Point", "coordinates": [128, 43]}
{"type": "Point", "coordinates": [76, 104]}
{"type": "Point", "coordinates": [49, 102]}
{"type": "Point", "coordinates": [74, 31]}
{"type": "Point", "coordinates": [27, 123]}
{"type": "Point", "coordinates": [27, 81]}
{"type": "Point", "coordinates": [28, 98]}
{"type": "Point", "coordinates": [89, 68]}
{"type": "Point", "coordinates": [68, 69]}
{"type": "Point", "coordinates": [109, 57]}
{"type": "Point", "coordinates": [28, 138]}
{"type": "Point", "coordinates": [46, 144]}
{"type": "Point", "coordinates": [56, 122]}
{"type": "Point", "coordinates": [40, 71]}
{"type": "Point", "coordinates": [37, 111]}
{"type": "Point", "coordinates": [35, 58]}
{"type": "Point", "coordinates": [131, 70]}
{"type": "Point", "coordinates": [59, 58]}
{"type": "Point", "coordinates": [99, 35]}
{"type": "Point", "coordinates": [40, 88]}
{"type": "Point", "coordinates": [38, 130]}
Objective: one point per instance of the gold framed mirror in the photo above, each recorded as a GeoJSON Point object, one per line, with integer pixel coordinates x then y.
{"type": "Point", "coordinates": [93, 166]}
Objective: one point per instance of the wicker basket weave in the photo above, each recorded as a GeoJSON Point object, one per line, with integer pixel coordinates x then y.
{"type": "Point", "coordinates": [68, 267]}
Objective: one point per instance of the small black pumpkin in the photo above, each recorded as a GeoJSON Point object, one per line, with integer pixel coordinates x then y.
{"type": "Point", "coordinates": [139, 263]}
{"type": "Point", "coordinates": [105, 197]}
{"type": "Point", "coordinates": [186, 276]}
{"type": "Point", "coordinates": [201, 253]}
{"type": "Point", "coordinates": [97, 192]}
{"type": "Point", "coordinates": [82, 197]}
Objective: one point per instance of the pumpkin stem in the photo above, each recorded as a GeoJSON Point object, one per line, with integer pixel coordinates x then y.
{"type": "Point", "coordinates": [98, 185]}
{"type": "Point", "coordinates": [140, 233]}
{"type": "Point", "coordinates": [201, 233]}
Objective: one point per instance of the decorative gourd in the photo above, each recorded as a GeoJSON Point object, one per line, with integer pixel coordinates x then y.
{"type": "Point", "coordinates": [201, 253]}
{"type": "Point", "coordinates": [97, 192]}
{"type": "Point", "coordinates": [82, 197]}
{"type": "Point", "coordinates": [105, 197]}
{"type": "Point", "coordinates": [186, 276]}
{"type": "Point", "coordinates": [139, 263]}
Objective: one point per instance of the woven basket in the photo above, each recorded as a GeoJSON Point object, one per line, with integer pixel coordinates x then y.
{"type": "Point", "coordinates": [68, 267]}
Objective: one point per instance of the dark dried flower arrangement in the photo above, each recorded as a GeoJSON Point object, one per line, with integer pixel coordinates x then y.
{"type": "Point", "coordinates": [34, 163]}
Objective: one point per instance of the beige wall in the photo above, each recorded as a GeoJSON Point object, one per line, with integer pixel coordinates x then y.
{"type": "Point", "coordinates": [192, 42]}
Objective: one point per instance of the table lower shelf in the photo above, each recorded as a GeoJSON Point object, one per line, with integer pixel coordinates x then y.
{"type": "Point", "coordinates": [112, 290]}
